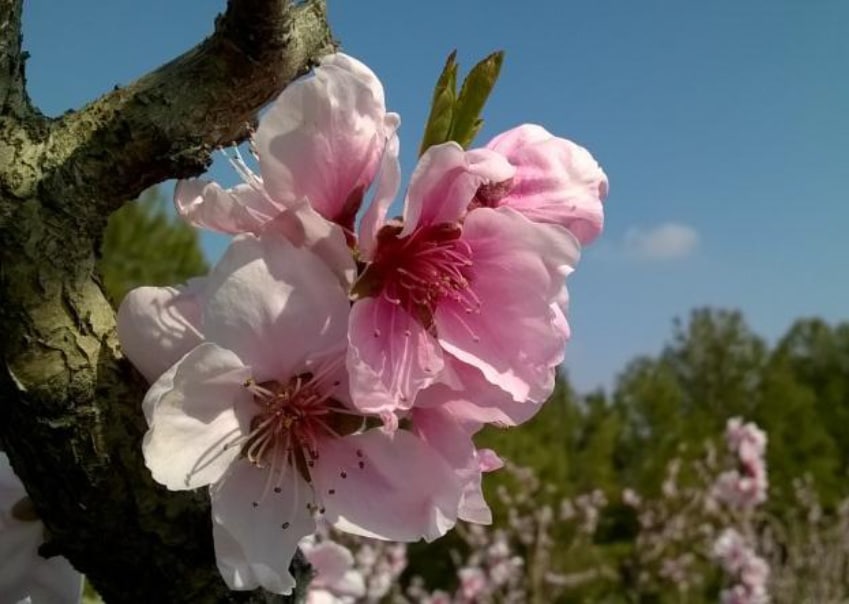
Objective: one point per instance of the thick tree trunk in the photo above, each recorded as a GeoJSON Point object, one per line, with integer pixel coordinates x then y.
{"type": "Point", "coordinates": [70, 416]}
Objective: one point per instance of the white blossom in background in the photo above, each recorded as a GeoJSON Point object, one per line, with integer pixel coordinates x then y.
{"type": "Point", "coordinates": [24, 575]}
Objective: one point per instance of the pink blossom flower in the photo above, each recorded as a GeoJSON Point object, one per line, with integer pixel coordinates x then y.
{"type": "Point", "coordinates": [479, 287]}
{"type": "Point", "coordinates": [24, 573]}
{"type": "Point", "coordinates": [260, 412]}
{"type": "Point", "coordinates": [749, 571]}
{"type": "Point", "coordinates": [745, 487]}
{"type": "Point", "coordinates": [746, 440]}
{"type": "Point", "coordinates": [730, 550]}
{"type": "Point", "coordinates": [472, 583]}
{"type": "Point", "coordinates": [321, 140]}
{"type": "Point", "coordinates": [555, 181]}
{"type": "Point", "coordinates": [335, 580]}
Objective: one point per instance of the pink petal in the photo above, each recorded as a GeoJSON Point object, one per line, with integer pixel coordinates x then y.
{"type": "Point", "coordinates": [469, 397]}
{"type": "Point", "coordinates": [519, 137]}
{"type": "Point", "coordinates": [306, 228]}
{"type": "Point", "coordinates": [388, 486]}
{"type": "Point", "coordinates": [388, 181]}
{"type": "Point", "coordinates": [323, 138]}
{"type": "Point", "coordinates": [205, 408]}
{"type": "Point", "coordinates": [390, 356]}
{"type": "Point", "coordinates": [447, 434]}
{"type": "Point", "coordinates": [518, 336]}
{"type": "Point", "coordinates": [556, 180]}
{"type": "Point", "coordinates": [158, 325]}
{"type": "Point", "coordinates": [205, 204]}
{"type": "Point", "coordinates": [254, 544]}
{"type": "Point", "coordinates": [275, 305]}
{"type": "Point", "coordinates": [489, 460]}
{"type": "Point", "coordinates": [445, 181]}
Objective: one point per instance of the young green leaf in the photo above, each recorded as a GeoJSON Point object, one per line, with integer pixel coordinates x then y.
{"type": "Point", "coordinates": [438, 126]}
{"type": "Point", "coordinates": [466, 121]}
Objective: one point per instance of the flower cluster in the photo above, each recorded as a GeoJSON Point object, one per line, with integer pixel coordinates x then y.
{"type": "Point", "coordinates": [741, 490]}
{"type": "Point", "coordinates": [685, 540]}
{"type": "Point", "coordinates": [25, 576]}
{"type": "Point", "coordinates": [746, 486]}
{"type": "Point", "coordinates": [336, 368]}
{"type": "Point", "coordinates": [739, 560]}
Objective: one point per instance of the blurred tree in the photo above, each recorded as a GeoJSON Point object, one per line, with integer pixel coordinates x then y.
{"type": "Point", "coordinates": [710, 371]}
{"type": "Point", "coordinates": [815, 358]}
{"type": "Point", "coordinates": [144, 245]}
{"type": "Point", "coordinates": [649, 399]}
{"type": "Point", "coordinates": [717, 361]}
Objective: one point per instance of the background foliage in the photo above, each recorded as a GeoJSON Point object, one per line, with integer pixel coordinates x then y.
{"type": "Point", "coordinates": [145, 245]}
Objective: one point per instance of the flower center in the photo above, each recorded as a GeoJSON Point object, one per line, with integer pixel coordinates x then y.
{"type": "Point", "coordinates": [489, 195]}
{"type": "Point", "coordinates": [419, 271]}
{"type": "Point", "coordinates": [291, 420]}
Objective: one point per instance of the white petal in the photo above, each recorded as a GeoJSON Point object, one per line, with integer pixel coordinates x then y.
{"type": "Point", "coordinates": [55, 581]}
{"type": "Point", "coordinates": [11, 487]}
{"type": "Point", "coordinates": [205, 408]}
{"type": "Point", "coordinates": [357, 68]}
{"type": "Point", "coordinates": [275, 305]}
{"type": "Point", "coordinates": [254, 544]}
{"type": "Point", "coordinates": [19, 542]}
{"type": "Point", "coordinates": [205, 204]}
{"type": "Point", "coordinates": [158, 325]}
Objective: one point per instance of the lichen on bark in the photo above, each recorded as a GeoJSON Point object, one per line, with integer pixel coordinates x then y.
{"type": "Point", "coordinates": [70, 417]}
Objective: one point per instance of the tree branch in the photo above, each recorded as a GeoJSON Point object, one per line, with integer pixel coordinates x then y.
{"type": "Point", "coordinates": [166, 124]}
{"type": "Point", "coordinates": [12, 95]}
{"type": "Point", "coordinates": [70, 406]}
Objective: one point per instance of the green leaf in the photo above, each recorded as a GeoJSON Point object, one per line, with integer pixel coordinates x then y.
{"type": "Point", "coordinates": [466, 122]}
{"type": "Point", "coordinates": [438, 128]}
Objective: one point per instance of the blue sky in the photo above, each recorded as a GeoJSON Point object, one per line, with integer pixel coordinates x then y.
{"type": "Point", "coordinates": [723, 127]}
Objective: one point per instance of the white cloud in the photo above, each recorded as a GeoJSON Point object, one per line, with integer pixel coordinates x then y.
{"type": "Point", "coordinates": [665, 241]}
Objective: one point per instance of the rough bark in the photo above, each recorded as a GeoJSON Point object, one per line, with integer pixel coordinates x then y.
{"type": "Point", "coordinates": [70, 417]}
